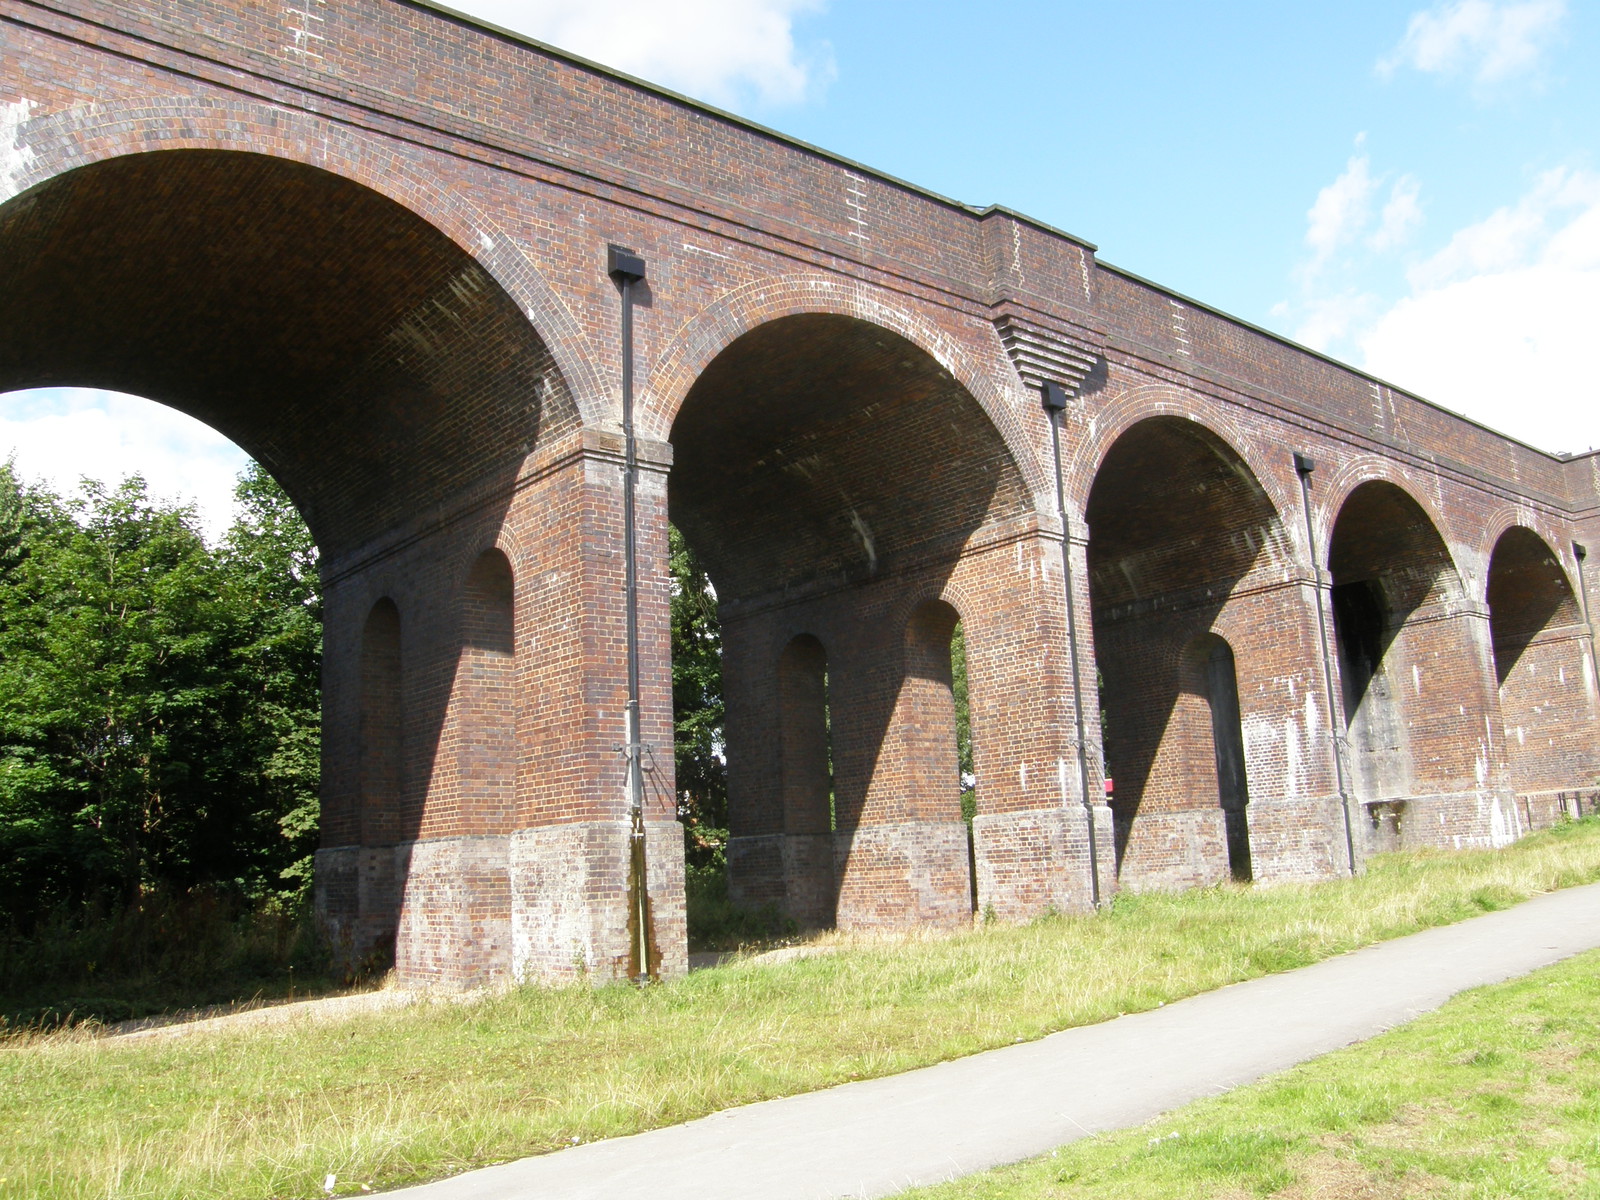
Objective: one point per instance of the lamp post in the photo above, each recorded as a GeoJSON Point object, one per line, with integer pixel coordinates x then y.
{"type": "Point", "coordinates": [1303, 466]}
{"type": "Point", "coordinates": [1055, 403]}
{"type": "Point", "coordinates": [644, 962]}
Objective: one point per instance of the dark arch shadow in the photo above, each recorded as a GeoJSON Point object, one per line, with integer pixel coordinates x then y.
{"type": "Point", "coordinates": [343, 342]}
{"type": "Point", "coordinates": [1528, 593]}
{"type": "Point", "coordinates": [1541, 658]}
{"type": "Point", "coordinates": [1387, 560]}
{"type": "Point", "coordinates": [826, 471]}
{"type": "Point", "coordinates": [1210, 674]}
{"type": "Point", "coordinates": [1176, 520]}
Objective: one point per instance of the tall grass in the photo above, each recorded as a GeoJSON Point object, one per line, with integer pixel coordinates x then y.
{"type": "Point", "coordinates": [425, 1091]}
{"type": "Point", "coordinates": [717, 923]}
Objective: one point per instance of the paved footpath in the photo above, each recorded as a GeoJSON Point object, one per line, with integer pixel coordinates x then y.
{"type": "Point", "coordinates": [879, 1136]}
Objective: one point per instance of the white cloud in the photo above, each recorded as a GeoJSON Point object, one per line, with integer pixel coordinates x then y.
{"type": "Point", "coordinates": [60, 435]}
{"type": "Point", "coordinates": [1501, 323]}
{"type": "Point", "coordinates": [1341, 216]}
{"type": "Point", "coordinates": [1341, 211]}
{"type": "Point", "coordinates": [1496, 323]}
{"type": "Point", "coordinates": [1402, 214]}
{"type": "Point", "coordinates": [1326, 320]}
{"type": "Point", "coordinates": [1511, 235]}
{"type": "Point", "coordinates": [1490, 42]}
{"type": "Point", "coordinates": [722, 51]}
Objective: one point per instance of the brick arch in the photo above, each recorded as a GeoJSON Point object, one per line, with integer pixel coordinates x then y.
{"type": "Point", "coordinates": [717, 326]}
{"type": "Point", "coordinates": [1542, 656]}
{"type": "Point", "coordinates": [1233, 627]}
{"type": "Point", "coordinates": [1084, 457]}
{"type": "Point", "coordinates": [1328, 501]}
{"type": "Point", "coordinates": [949, 591]}
{"type": "Point", "coordinates": [1246, 496]}
{"type": "Point", "coordinates": [1178, 520]}
{"type": "Point", "coordinates": [63, 141]}
{"type": "Point", "coordinates": [465, 557]}
{"type": "Point", "coordinates": [1506, 517]}
{"type": "Point", "coordinates": [1559, 586]}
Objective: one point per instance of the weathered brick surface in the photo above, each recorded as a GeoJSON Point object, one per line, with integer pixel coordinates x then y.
{"type": "Point", "coordinates": [367, 240]}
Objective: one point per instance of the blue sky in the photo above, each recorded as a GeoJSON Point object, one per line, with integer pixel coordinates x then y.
{"type": "Point", "coordinates": [1412, 188]}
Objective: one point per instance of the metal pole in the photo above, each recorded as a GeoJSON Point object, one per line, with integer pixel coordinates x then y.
{"type": "Point", "coordinates": [644, 964]}
{"type": "Point", "coordinates": [1055, 401]}
{"type": "Point", "coordinates": [1303, 466]}
{"type": "Point", "coordinates": [1581, 552]}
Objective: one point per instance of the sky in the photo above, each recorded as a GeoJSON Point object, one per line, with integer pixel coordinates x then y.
{"type": "Point", "coordinates": [1413, 189]}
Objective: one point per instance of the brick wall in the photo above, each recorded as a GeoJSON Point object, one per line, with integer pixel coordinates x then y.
{"type": "Point", "coordinates": [367, 240]}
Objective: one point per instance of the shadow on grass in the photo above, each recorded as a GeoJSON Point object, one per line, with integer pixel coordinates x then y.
{"type": "Point", "coordinates": [168, 953]}
{"type": "Point", "coordinates": [718, 924]}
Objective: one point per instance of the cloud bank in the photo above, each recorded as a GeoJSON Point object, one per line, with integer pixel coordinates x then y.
{"type": "Point", "coordinates": [1487, 42]}
{"type": "Point", "coordinates": [1500, 323]}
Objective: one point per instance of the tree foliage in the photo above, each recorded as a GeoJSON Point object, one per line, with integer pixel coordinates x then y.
{"type": "Point", "coordinates": [958, 687]}
{"type": "Point", "coordinates": [697, 706]}
{"type": "Point", "coordinates": [158, 698]}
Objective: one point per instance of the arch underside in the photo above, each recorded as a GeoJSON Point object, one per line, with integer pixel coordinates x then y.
{"type": "Point", "coordinates": [1544, 673]}
{"type": "Point", "coordinates": [1178, 525]}
{"type": "Point", "coordinates": [832, 475]}
{"type": "Point", "coordinates": [345, 343]}
{"type": "Point", "coordinates": [820, 449]}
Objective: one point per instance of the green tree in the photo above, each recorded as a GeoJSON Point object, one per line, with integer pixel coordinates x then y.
{"type": "Point", "coordinates": [697, 706]}
{"type": "Point", "coordinates": [273, 563]}
{"type": "Point", "coordinates": [958, 688]}
{"type": "Point", "coordinates": [114, 694]}
{"type": "Point", "coordinates": [158, 698]}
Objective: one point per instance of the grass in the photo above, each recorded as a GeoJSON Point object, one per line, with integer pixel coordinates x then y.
{"type": "Point", "coordinates": [166, 953]}
{"type": "Point", "coordinates": [1497, 1094]}
{"type": "Point", "coordinates": [717, 924]}
{"type": "Point", "coordinates": [422, 1092]}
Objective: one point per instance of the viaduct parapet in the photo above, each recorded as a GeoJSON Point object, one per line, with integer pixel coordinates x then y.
{"type": "Point", "coordinates": [1315, 616]}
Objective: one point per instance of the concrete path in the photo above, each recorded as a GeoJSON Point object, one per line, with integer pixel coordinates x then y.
{"type": "Point", "coordinates": [879, 1136]}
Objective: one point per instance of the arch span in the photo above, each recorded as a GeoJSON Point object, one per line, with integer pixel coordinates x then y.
{"type": "Point", "coordinates": [1132, 407]}
{"type": "Point", "coordinates": [818, 447]}
{"type": "Point", "coordinates": [52, 144]}
{"type": "Point", "coordinates": [1330, 496]}
{"type": "Point", "coordinates": [340, 339]}
{"type": "Point", "coordinates": [716, 328]}
{"type": "Point", "coordinates": [1182, 539]}
{"type": "Point", "coordinates": [828, 472]}
{"type": "Point", "coordinates": [1415, 675]}
{"type": "Point", "coordinates": [1544, 670]}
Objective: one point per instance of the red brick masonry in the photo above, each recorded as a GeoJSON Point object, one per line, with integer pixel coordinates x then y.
{"type": "Point", "coordinates": [366, 239]}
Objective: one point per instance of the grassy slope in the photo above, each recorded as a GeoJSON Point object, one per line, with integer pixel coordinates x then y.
{"type": "Point", "coordinates": [1496, 1094]}
{"type": "Point", "coordinates": [425, 1091]}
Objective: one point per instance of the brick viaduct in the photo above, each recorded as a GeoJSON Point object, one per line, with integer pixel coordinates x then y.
{"type": "Point", "coordinates": [367, 240]}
